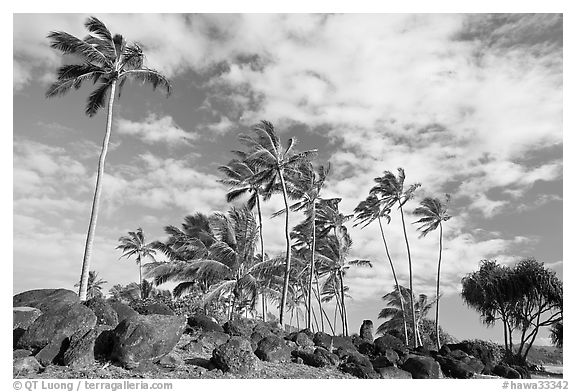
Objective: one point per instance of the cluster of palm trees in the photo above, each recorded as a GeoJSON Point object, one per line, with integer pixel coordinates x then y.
{"type": "Point", "coordinates": [218, 254]}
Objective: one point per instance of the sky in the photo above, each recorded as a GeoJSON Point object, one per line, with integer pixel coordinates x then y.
{"type": "Point", "coordinates": [467, 104]}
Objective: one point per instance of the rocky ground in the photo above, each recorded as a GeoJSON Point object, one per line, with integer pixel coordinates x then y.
{"type": "Point", "coordinates": [56, 336]}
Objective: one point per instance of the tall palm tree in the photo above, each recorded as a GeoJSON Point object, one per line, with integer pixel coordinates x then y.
{"type": "Point", "coordinates": [238, 174]}
{"type": "Point", "coordinates": [108, 61]}
{"type": "Point", "coordinates": [134, 244]}
{"type": "Point", "coordinates": [273, 161]}
{"type": "Point", "coordinates": [433, 212]}
{"type": "Point", "coordinates": [305, 186]}
{"type": "Point", "coordinates": [94, 285]}
{"type": "Point", "coordinates": [390, 190]}
{"type": "Point", "coordinates": [367, 212]}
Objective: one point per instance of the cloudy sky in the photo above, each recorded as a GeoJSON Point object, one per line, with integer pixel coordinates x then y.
{"type": "Point", "coordinates": [469, 105]}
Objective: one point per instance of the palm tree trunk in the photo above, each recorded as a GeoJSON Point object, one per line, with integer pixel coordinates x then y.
{"type": "Point", "coordinates": [96, 201]}
{"type": "Point", "coordinates": [262, 249]}
{"type": "Point", "coordinates": [288, 248]}
{"type": "Point", "coordinates": [320, 303]}
{"type": "Point", "coordinates": [312, 255]}
{"type": "Point", "coordinates": [410, 273]}
{"type": "Point", "coordinates": [140, 271]}
{"type": "Point", "coordinates": [438, 291]}
{"type": "Point", "coordinates": [395, 282]}
{"type": "Point", "coordinates": [344, 319]}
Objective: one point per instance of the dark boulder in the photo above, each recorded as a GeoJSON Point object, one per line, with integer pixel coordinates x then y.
{"type": "Point", "coordinates": [273, 349]}
{"type": "Point", "coordinates": [156, 308]}
{"type": "Point", "coordinates": [325, 356]}
{"type": "Point", "coordinates": [204, 323]}
{"type": "Point", "coordinates": [343, 342]}
{"type": "Point", "coordinates": [358, 371]}
{"type": "Point", "coordinates": [205, 343]}
{"type": "Point", "coordinates": [322, 339]}
{"type": "Point", "coordinates": [478, 350]}
{"type": "Point", "coordinates": [171, 361]}
{"type": "Point", "coordinates": [146, 338]}
{"type": "Point", "coordinates": [80, 353]}
{"type": "Point", "coordinates": [366, 330]}
{"type": "Point", "coordinates": [524, 373]}
{"type": "Point", "coordinates": [316, 358]}
{"type": "Point", "coordinates": [388, 341]}
{"type": "Point", "coordinates": [303, 340]}
{"type": "Point", "coordinates": [236, 356]}
{"type": "Point", "coordinates": [122, 310]}
{"type": "Point", "coordinates": [200, 362]}
{"type": "Point", "coordinates": [45, 299]}
{"type": "Point", "coordinates": [105, 313]}
{"type": "Point", "coordinates": [454, 368]}
{"type": "Point", "coordinates": [104, 342]}
{"type": "Point", "coordinates": [422, 367]}
{"type": "Point", "coordinates": [53, 352]}
{"type": "Point", "coordinates": [56, 325]}
{"type": "Point", "coordinates": [366, 348]}
{"type": "Point", "coordinates": [389, 358]}
{"type": "Point", "coordinates": [506, 372]}
{"type": "Point", "coordinates": [239, 327]}
{"type": "Point", "coordinates": [392, 372]}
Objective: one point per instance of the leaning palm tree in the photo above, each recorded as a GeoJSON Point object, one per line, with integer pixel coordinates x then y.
{"type": "Point", "coordinates": [305, 186]}
{"type": "Point", "coordinates": [433, 212]}
{"type": "Point", "coordinates": [272, 160]}
{"type": "Point", "coordinates": [94, 286]}
{"type": "Point", "coordinates": [367, 212]}
{"type": "Point", "coordinates": [238, 174]}
{"type": "Point", "coordinates": [134, 244]}
{"type": "Point", "coordinates": [109, 62]}
{"type": "Point", "coordinates": [390, 190]}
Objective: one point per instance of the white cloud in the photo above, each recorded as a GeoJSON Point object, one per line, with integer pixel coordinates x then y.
{"type": "Point", "coordinates": [154, 129]}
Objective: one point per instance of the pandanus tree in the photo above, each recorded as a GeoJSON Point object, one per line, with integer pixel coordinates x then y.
{"type": "Point", "coordinates": [238, 174]}
{"type": "Point", "coordinates": [134, 244]}
{"type": "Point", "coordinates": [273, 161]}
{"type": "Point", "coordinates": [108, 61]}
{"type": "Point", "coordinates": [390, 190]}
{"type": "Point", "coordinates": [371, 210]}
{"type": "Point", "coordinates": [433, 212]}
{"type": "Point", "coordinates": [305, 186]}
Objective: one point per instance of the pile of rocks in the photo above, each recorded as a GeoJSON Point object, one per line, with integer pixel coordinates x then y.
{"type": "Point", "coordinates": [52, 326]}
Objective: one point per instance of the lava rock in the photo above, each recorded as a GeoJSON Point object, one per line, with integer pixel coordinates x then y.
{"type": "Point", "coordinates": [146, 338]}
{"type": "Point", "coordinates": [389, 358]}
{"type": "Point", "coordinates": [122, 310]}
{"type": "Point", "coordinates": [105, 313]}
{"type": "Point", "coordinates": [392, 372]}
{"type": "Point", "coordinates": [80, 354]}
{"type": "Point", "coordinates": [273, 349]}
{"type": "Point", "coordinates": [236, 356]}
{"type": "Point", "coordinates": [358, 371]}
{"type": "Point", "coordinates": [45, 299]}
{"type": "Point", "coordinates": [156, 308]}
{"type": "Point", "coordinates": [422, 367]}
{"type": "Point", "coordinates": [322, 339]}
{"type": "Point", "coordinates": [239, 327]}
{"type": "Point", "coordinates": [366, 330]}
{"type": "Point", "coordinates": [204, 323]}
{"type": "Point", "coordinates": [454, 368]}
{"type": "Point", "coordinates": [506, 372]}
{"type": "Point", "coordinates": [26, 365]}
{"type": "Point", "coordinates": [388, 341]}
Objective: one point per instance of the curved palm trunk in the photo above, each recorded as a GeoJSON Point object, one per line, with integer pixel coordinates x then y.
{"type": "Point", "coordinates": [312, 255]}
{"type": "Point", "coordinates": [140, 272]}
{"type": "Point", "coordinates": [438, 291]}
{"type": "Point", "coordinates": [262, 249]}
{"type": "Point", "coordinates": [344, 318]}
{"type": "Point", "coordinates": [411, 285]}
{"type": "Point", "coordinates": [395, 282]}
{"type": "Point", "coordinates": [288, 249]}
{"type": "Point", "coordinates": [96, 201]}
{"type": "Point", "coordinates": [320, 304]}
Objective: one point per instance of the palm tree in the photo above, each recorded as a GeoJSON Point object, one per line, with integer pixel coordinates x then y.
{"type": "Point", "coordinates": [305, 186]}
{"type": "Point", "coordinates": [238, 174]}
{"type": "Point", "coordinates": [94, 286]}
{"type": "Point", "coordinates": [390, 190]}
{"type": "Point", "coordinates": [367, 212]}
{"type": "Point", "coordinates": [395, 315]}
{"type": "Point", "coordinates": [134, 244]}
{"type": "Point", "coordinates": [333, 252]}
{"type": "Point", "coordinates": [228, 262]}
{"type": "Point", "coordinates": [433, 213]}
{"type": "Point", "coordinates": [109, 61]}
{"type": "Point", "coordinates": [273, 161]}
